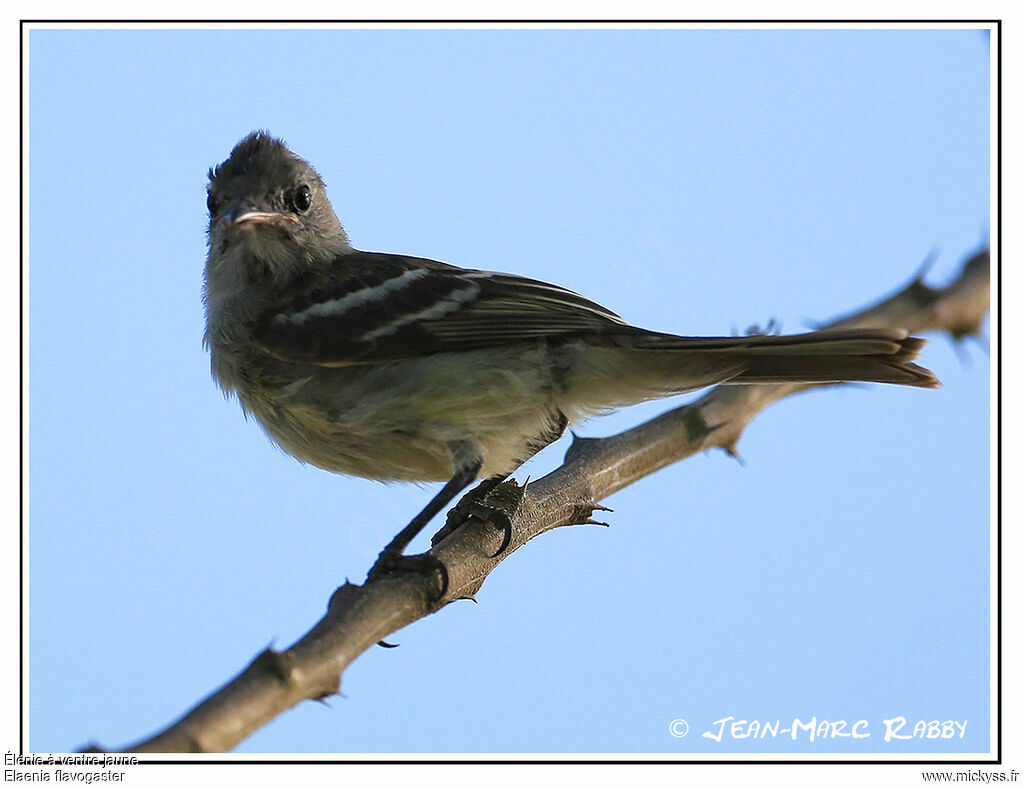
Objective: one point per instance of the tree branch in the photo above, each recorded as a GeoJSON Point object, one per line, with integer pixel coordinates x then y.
{"type": "Point", "coordinates": [360, 616]}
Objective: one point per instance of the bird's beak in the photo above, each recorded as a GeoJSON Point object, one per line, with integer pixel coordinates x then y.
{"type": "Point", "coordinates": [246, 214]}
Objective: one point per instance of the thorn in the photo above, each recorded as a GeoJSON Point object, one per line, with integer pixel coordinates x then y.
{"type": "Point", "coordinates": [926, 264]}
{"type": "Point", "coordinates": [961, 351]}
{"type": "Point", "coordinates": [323, 698]}
{"type": "Point", "coordinates": [384, 644]}
{"type": "Point", "coordinates": [771, 328]}
{"type": "Point", "coordinates": [277, 663]}
{"type": "Point", "coordinates": [339, 593]}
{"type": "Point", "coordinates": [577, 446]}
{"type": "Point", "coordinates": [730, 449]}
{"type": "Point", "coordinates": [980, 340]}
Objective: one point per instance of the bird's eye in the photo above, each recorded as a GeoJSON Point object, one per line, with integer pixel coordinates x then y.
{"type": "Point", "coordinates": [211, 203]}
{"type": "Point", "coordinates": [302, 199]}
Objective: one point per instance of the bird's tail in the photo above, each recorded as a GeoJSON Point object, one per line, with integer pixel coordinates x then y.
{"type": "Point", "coordinates": [636, 365]}
{"type": "Point", "coordinates": [873, 355]}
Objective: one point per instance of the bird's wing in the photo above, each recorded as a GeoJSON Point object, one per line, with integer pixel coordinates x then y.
{"type": "Point", "coordinates": [373, 308]}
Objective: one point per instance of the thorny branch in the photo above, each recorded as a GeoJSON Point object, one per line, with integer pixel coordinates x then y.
{"type": "Point", "coordinates": [358, 616]}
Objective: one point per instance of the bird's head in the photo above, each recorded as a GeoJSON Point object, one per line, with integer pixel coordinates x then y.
{"type": "Point", "coordinates": [272, 204]}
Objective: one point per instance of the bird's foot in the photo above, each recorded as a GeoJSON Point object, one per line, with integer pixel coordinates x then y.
{"type": "Point", "coordinates": [494, 503]}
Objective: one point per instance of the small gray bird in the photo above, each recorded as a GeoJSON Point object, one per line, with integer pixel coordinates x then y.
{"type": "Point", "coordinates": [404, 369]}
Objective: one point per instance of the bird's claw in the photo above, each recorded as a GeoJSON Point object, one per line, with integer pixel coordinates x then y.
{"type": "Point", "coordinates": [497, 506]}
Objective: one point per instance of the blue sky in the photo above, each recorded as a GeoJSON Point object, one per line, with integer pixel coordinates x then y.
{"type": "Point", "coordinates": [693, 181]}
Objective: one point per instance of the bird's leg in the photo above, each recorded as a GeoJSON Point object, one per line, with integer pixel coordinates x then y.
{"type": "Point", "coordinates": [392, 559]}
{"type": "Point", "coordinates": [499, 512]}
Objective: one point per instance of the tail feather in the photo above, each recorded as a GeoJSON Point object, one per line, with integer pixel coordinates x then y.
{"type": "Point", "coordinates": [874, 355]}
{"type": "Point", "coordinates": [816, 369]}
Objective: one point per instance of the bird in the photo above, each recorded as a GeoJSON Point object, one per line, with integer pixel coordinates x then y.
{"type": "Point", "coordinates": [402, 368]}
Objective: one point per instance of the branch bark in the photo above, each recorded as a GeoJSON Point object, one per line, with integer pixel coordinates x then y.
{"type": "Point", "coordinates": [358, 616]}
